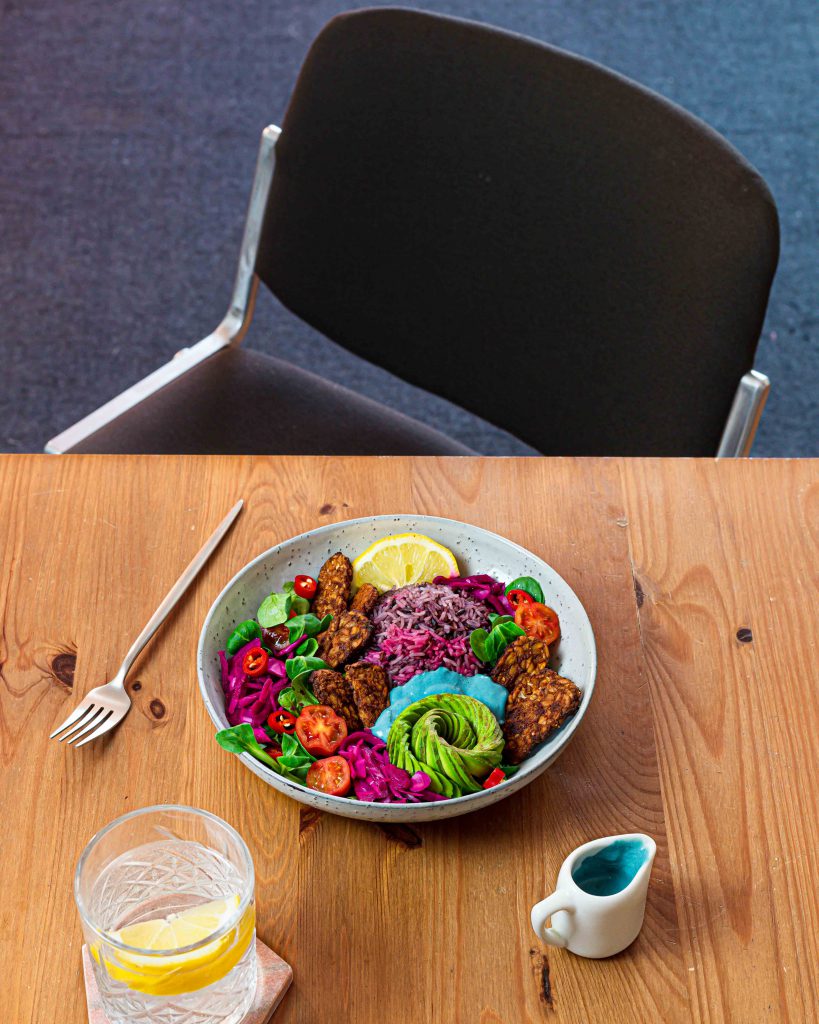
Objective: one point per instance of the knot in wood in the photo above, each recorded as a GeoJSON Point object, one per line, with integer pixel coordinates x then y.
{"type": "Point", "coordinates": [63, 666]}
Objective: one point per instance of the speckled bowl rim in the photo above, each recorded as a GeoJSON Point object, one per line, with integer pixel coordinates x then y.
{"type": "Point", "coordinates": [529, 770]}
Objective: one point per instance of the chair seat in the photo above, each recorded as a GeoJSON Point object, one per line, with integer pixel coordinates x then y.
{"type": "Point", "coordinates": [241, 402]}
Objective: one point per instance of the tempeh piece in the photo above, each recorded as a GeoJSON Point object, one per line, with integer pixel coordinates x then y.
{"type": "Point", "coordinates": [524, 656]}
{"type": "Point", "coordinates": [335, 579]}
{"type": "Point", "coordinates": [332, 689]}
{"type": "Point", "coordinates": [370, 690]}
{"type": "Point", "coordinates": [537, 706]}
{"type": "Point", "coordinates": [364, 599]}
{"type": "Point", "coordinates": [344, 638]}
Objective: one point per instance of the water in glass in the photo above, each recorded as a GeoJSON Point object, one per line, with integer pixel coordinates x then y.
{"type": "Point", "coordinates": [173, 937]}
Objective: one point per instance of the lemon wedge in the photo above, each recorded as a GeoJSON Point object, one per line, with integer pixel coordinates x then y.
{"type": "Point", "coordinates": [402, 559]}
{"type": "Point", "coordinates": [178, 930]}
{"type": "Point", "coordinates": [178, 973]}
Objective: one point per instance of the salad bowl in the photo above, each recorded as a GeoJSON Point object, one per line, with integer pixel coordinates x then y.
{"type": "Point", "coordinates": [477, 551]}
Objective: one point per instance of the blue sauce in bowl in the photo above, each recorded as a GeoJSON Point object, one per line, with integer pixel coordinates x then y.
{"type": "Point", "coordinates": [611, 869]}
{"type": "Point", "coordinates": [442, 680]}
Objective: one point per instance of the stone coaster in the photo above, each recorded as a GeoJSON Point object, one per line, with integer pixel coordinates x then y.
{"type": "Point", "coordinates": [273, 980]}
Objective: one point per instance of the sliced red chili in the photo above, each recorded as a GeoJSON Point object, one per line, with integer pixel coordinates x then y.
{"type": "Point", "coordinates": [305, 586]}
{"type": "Point", "coordinates": [282, 721]}
{"type": "Point", "coordinates": [496, 776]}
{"type": "Point", "coordinates": [518, 597]}
{"type": "Point", "coordinates": [255, 661]}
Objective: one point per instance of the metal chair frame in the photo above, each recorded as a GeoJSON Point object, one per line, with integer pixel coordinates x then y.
{"type": "Point", "coordinates": [231, 329]}
{"type": "Point", "coordinates": [737, 436]}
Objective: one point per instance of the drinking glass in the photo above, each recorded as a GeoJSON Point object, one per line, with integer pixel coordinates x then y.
{"type": "Point", "coordinates": [165, 895]}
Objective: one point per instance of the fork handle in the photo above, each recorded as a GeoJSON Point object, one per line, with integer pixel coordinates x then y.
{"type": "Point", "coordinates": [176, 591]}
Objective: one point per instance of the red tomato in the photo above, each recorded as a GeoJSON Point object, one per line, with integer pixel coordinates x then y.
{"type": "Point", "coordinates": [519, 597]}
{"type": "Point", "coordinates": [255, 661]}
{"type": "Point", "coordinates": [330, 775]}
{"type": "Point", "coordinates": [305, 586]}
{"type": "Point", "coordinates": [320, 730]}
{"type": "Point", "coordinates": [282, 721]}
{"type": "Point", "coordinates": [539, 622]}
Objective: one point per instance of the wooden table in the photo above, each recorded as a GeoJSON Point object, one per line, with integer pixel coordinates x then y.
{"type": "Point", "coordinates": [700, 579]}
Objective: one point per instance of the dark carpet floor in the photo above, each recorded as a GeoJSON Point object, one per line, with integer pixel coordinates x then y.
{"type": "Point", "coordinates": [128, 133]}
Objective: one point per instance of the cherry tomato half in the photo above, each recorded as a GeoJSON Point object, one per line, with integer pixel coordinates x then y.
{"type": "Point", "coordinates": [282, 721]}
{"type": "Point", "coordinates": [538, 621]}
{"type": "Point", "coordinates": [519, 597]}
{"type": "Point", "coordinates": [305, 586]}
{"type": "Point", "coordinates": [320, 730]}
{"type": "Point", "coordinates": [330, 775]}
{"type": "Point", "coordinates": [496, 776]}
{"type": "Point", "coordinates": [254, 661]}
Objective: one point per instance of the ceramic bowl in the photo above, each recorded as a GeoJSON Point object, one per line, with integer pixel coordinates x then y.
{"type": "Point", "coordinates": [477, 550]}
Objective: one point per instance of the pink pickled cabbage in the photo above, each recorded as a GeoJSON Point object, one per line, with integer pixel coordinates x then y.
{"type": "Point", "coordinates": [251, 699]}
{"type": "Point", "coordinates": [375, 779]}
{"type": "Point", "coordinates": [482, 588]}
{"type": "Point", "coordinates": [399, 650]}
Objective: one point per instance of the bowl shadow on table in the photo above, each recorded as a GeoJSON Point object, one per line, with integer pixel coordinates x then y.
{"type": "Point", "coordinates": [533, 803]}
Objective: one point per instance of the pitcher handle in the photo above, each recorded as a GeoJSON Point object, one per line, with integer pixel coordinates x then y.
{"type": "Point", "coordinates": [541, 912]}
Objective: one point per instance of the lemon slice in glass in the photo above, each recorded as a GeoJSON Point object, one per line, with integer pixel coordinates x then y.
{"type": "Point", "coordinates": [178, 930]}
{"type": "Point", "coordinates": [177, 973]}
{"type": "Point", "coordinates": [402, 559]}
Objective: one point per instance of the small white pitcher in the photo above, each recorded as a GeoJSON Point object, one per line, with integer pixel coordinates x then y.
{"type": "Point", "coordinates": [599, 904]}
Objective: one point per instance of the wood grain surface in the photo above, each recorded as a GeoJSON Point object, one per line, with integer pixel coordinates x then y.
{"type": "Point", "coordinates": [700, 579]}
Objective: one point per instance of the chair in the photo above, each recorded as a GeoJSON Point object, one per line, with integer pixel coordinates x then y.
{"type": "Point", "coordinates": [510, 226]}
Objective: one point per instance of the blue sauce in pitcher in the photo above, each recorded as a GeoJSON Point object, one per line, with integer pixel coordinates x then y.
{"type": "Point", "coordinates": [611, 869]}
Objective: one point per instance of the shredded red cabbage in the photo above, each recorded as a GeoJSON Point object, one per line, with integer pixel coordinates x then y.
{"type": "Point", "coordinates": [483, 588]}
{"type": "Point", "coordinates": [375, 779]}
{"type": "Point", "coordinates": [251, 699]}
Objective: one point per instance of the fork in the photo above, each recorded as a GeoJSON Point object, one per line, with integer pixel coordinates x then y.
{"type": "Point", "coordinates": [105, 706]}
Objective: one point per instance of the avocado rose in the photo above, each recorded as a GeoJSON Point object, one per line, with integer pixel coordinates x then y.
{"type": "Point", "coordinates": [455, 739]}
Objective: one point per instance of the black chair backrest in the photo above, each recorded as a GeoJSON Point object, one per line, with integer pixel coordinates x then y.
{"type": "Point", "coordinates": [520, 231]}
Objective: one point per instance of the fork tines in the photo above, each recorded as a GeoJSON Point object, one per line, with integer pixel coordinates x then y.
{"type": "Point", "coordinates": [85, 719]}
